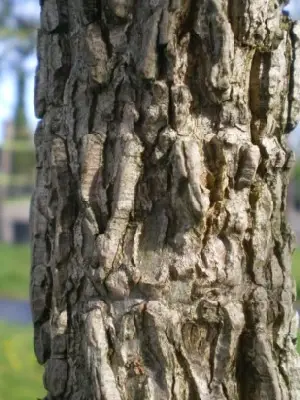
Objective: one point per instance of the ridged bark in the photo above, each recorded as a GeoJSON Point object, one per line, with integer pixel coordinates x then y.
{"type": "Point", "coordinates": [161, 263]}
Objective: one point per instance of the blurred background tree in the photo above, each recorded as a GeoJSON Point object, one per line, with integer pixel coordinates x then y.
{"type": "Point", "coordinates": [18, 28]}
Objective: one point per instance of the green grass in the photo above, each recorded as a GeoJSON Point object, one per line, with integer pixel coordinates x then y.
{"type": "Point", "coordinates": [14, 271]}
{"type": "Point", "coordinates": [13, 200]}
{"type": "Point", "coordinates": [20, 374]}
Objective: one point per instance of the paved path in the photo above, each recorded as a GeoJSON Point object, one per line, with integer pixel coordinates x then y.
{"type": "Point", "coordinates": [17, 311]}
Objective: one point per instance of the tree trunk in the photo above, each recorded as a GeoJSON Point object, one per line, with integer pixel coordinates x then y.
{"type": "Point", "coordinates": [161, 263]}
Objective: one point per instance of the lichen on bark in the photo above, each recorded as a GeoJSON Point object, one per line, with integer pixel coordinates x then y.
{"type": "Point", "coordinates": [161, 264]}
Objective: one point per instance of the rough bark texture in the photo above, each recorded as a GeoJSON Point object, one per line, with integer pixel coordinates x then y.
{"type": "Point", "coordinates": [161, 255]}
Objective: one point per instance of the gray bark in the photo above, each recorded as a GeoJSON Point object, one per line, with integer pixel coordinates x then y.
{"type": "Point", "coordinates": [161, 262]}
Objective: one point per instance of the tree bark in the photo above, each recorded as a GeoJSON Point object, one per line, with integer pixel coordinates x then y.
{"type": "Point", "coordinates": [161, 263]}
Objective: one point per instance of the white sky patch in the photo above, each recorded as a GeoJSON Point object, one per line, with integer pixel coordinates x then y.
{"type": "Point", "coordinates": [292, 10]}
{"type": "Point", "coordinates": [8, 99]}
{"type": "Point", "coordinates": [294, 140]}
{"type": "Point", "coordinates": [32, 121]}
{"type": "Point", "coordinates": [29, 8]}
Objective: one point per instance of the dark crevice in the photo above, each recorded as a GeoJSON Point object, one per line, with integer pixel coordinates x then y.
{"type": "Point", "coordinates": [195, 53]}
{"type": "Point", "coordinates": [162, 59]}
{"type": "Point", "coordinates": [171, 112]}
{"type": "Point", "coordinates": [249, 252]}
{"type": "Point", "coordinates": [48, 248]}
{"type": "Point", "coordinates": [193, 390]}
{"type": "Point", "coordinates": [94, 200]}
{"type": "Point", "coordinates": [230, 13]}
{"type": "Point", "coordinates": [211, 36]}
{"type": "Point", "coordinates": [259, 97]}
{"type": "Point", "coordinates": [110, 197]}
{"type": "Point", "coordinates": [92, 112]}
{"type": "Point", "coordinates": [170, 216]}
{"type": "Point", "coordinates": [216, 162]}
{"type": "Point", "coordinates": [278, 251]}
{"type": "Point", "coordinates": [262, 168]}
{"type": "Point", "coordinates": [91, 10]}
{"type": "Point", "coordinates": [213, 340]}
{"type": "Point", "coordinates": [105, 36]}
{"type": "Point", "coordinates": [153, 356]}
{"type": "Point", "coordinates": [188, 20]}
{"type": "Point", "coordinates": [118, 106]}
{"type": "Point", "coordinates": [162, 62]}
{"type": "Point", "coordinates": [225, 391]}
{"type": "Point", "coordinates": [62, 28]}
{"type": "Point", "coordinates": [290, 125]}
{"type": "Point", "coordinates": [62, 6]}
{"type": "Point", "coordinates": [59, 79]}
{"type": "Point", "coordinates": [242, 368]}
{"type": "Point", "coordinates": [193, 74]}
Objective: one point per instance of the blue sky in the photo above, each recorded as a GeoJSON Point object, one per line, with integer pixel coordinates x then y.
{"type": "Point", "coordinates": [7, 79]}
{"type": "Point", "coordinates": [292, 10]}
{"type": "Point", "coordinates": [8, 99]}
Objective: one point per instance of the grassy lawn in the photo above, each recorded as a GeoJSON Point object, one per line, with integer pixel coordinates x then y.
{"type": "Point", "coordinates": [14, 271]}
{"type": "Point", "coordinates": [12, 200]}
{"type": "Point", "coordinates": [20, 374]}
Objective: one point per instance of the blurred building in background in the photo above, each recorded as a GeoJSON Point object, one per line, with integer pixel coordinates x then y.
{"type": "Point", "coordinates": [17, 166]}
{"type": "Point", "coordinates": [18, 31]}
